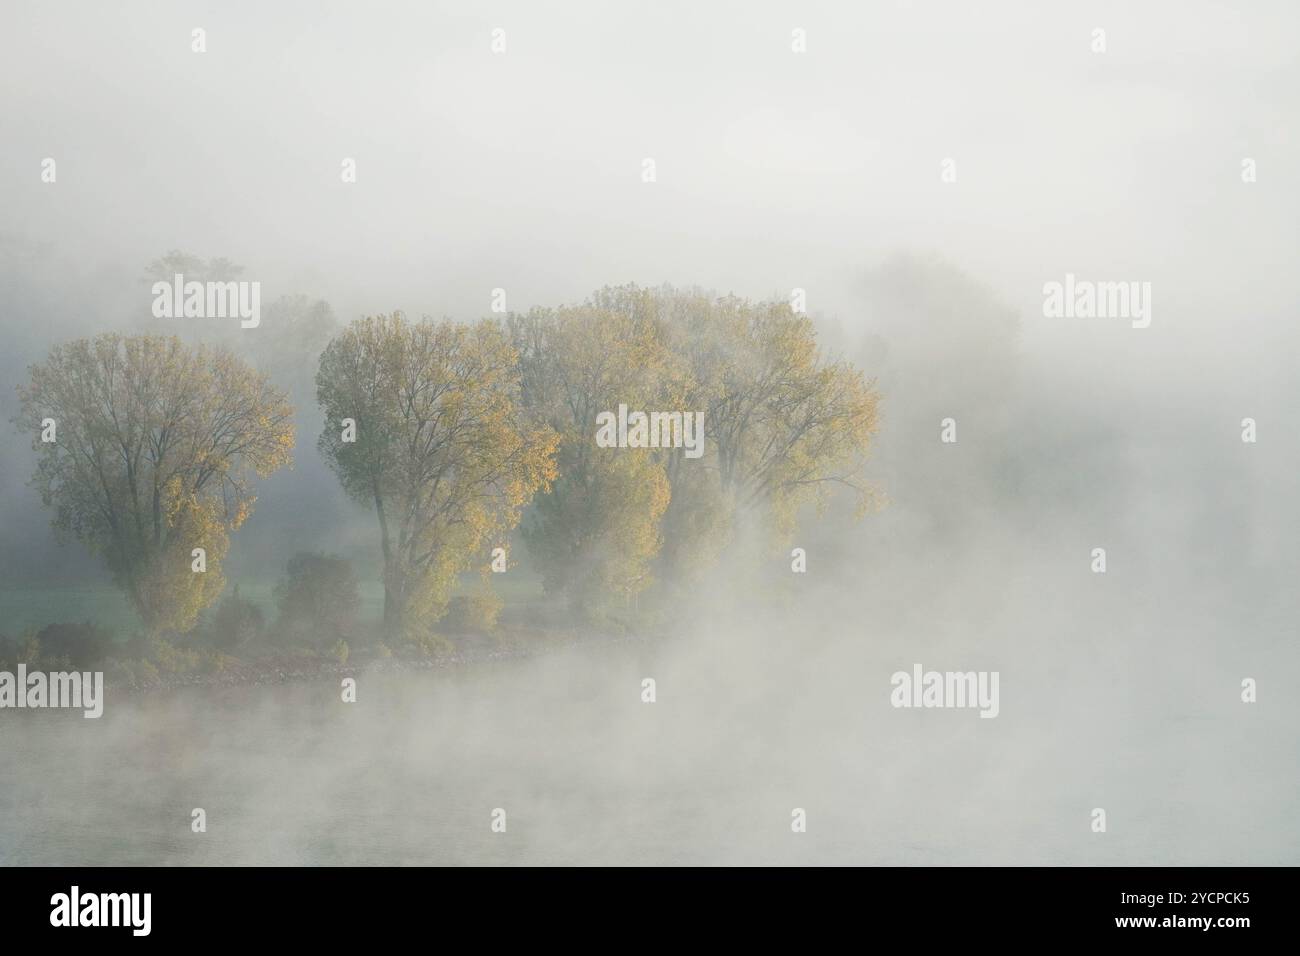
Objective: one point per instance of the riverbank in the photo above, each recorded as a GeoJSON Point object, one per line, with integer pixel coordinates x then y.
{"type": "Point", "coordinates": [461, 651]}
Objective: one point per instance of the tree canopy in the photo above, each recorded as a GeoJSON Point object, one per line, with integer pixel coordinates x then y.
{"type": "Point", "coordinates": [784, 425]}
{"type": "Point", "coordinates": [422, 422]}
{"type": "Point", "coordinates": [154, 448]}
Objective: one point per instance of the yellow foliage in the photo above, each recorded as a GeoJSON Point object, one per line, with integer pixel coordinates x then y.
{"type": "Point", "coordinates": [441, 452]}
{"type": "Point", "coordinates": [156, 448]}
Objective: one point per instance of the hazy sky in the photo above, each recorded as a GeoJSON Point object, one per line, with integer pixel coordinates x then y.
{"type": "Point", "coordinates": [522, 170]}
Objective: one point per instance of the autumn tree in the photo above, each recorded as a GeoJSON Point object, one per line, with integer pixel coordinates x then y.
{"type": "Point", "coordinates": [422, 422]}
{"type": "Point", "coordinates": [147, 449]}
{"type": "Point", "coordinates": [788, 424]}
{"type": "Point", "coordinates": [595, 534]}
{"type": "Point", "coordinates": [785, 425]}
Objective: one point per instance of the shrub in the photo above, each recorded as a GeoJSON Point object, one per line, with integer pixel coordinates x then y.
{"type": "Point", "coordinates": [318, 599]}
{"type": "Point", "coordinates": [473, 612]}
{"type": "Point", "coordinates": [423, 645]}
{"type": "Point", "coordinates": [236, 622]}
{"type": "Point", "coordinates": [76, 645]}
{"type": "Point", "coordinates": [146, 673]}
{"type": "Point", "coordinates": [167, 658]}
{"type": "Point", "coordinates": [131, 673]}
{"type": "Point", "coordinates": [29, 649]}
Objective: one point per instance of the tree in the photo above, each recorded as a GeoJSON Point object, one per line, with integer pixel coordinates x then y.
{"type": "Point", "coordinates": [440, 450]}
{"type": "Point", "coordinates": [787, 424]}
{"type": "Point", "coordinates": [784, 424]}
{"type": "Point", "coordinates": [295, 330]}
{"type": "Point", "coordinates": [292, 327]}
{"type": "Point", "coordinates": [193, 268]}
{"type": "Point", "coordinates": [155, 445]}
{"type": "Point", "coordinates": [596, 532]}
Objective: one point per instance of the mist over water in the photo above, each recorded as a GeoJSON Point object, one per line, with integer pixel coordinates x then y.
{"type": "Point", "coordinates": [751, 720]}
{"type": "Point", "coordinates": [1119, 690]}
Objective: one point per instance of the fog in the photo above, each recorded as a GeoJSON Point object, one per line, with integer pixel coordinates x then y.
{"type": "Point", "coordinates": [775, 171]}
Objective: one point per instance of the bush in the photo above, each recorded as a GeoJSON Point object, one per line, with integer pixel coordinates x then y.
{"type": "Point", "coordinates": [236, 622]}
{"type": "Point", "coordinates": [76, 645]}
{"type": "Point", "coordinates": [473, 612]}
{"type": "Point", "coordinates": [216, 662]}
{"type": "Point", "coordinates": [29, 649]}
{"type": "Point", "coordinates": [318, 599]}
{"type": "Point", "coordinates": [423, 645]}
{"type": "Point", "coordinates": [167, 658]}
{"type": "Point", "coordinates": [132, 673]}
